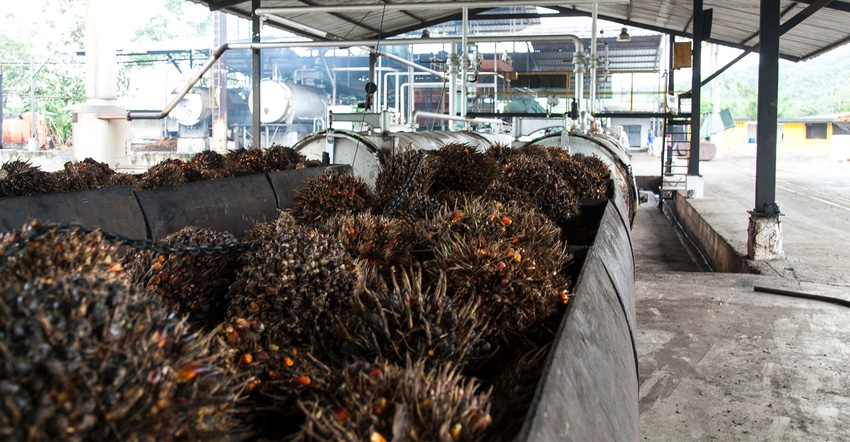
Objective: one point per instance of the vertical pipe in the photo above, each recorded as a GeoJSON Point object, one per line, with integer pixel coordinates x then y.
{"type": "Point", "coordinates": [768, 92]}
{"type": "Point", "coordinates": [464, 63]}
{"type": "Point", "coordinates": [452, 66]}
{"type": "Point", "coordinates": [594, 60]}
{"type": "Point", "coordinates": [411, 98]}
{"type": "Point", "coordinates": [696, 80]}
{"type": "Point", "coordinates": [671, 89]}
{"type": "Point", "coordinates": [256, 76]}
{"type": "Point", "coordinates": [33, 143]}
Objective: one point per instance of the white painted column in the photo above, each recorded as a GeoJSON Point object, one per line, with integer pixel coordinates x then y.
{"type": "Point", "coordinates": [99, 130]}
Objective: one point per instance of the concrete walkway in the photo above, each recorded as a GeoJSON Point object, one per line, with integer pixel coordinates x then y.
{"type": "Point", "coordinates": [721, 361]}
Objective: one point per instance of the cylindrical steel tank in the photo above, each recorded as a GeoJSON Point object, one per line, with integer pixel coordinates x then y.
{"type": "Point", "coordinates": [18, 130]}
{"type": "Point", "coordinates": [288, 103]}
{"type": "Point", "coordinates": [362, 151]}
{"type": "Point", "coordinates": [197, 106]}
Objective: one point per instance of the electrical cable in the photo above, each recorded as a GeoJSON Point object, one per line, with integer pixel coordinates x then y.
{"type": "Point", "coordinates": [830, 299]}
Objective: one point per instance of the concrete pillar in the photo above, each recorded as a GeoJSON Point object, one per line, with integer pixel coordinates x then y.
{"type": "Point", "coordinates": [99, 130]}
{"type": "Point", "coordinates": [764, 237]}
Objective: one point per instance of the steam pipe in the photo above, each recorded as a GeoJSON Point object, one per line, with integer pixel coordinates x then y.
{"type": "Point", "coordinates": [594, 59]}
{"type": "Point", "coordinates": [438, 116]}
{"type": "Point", "coordinates": [142, 115]}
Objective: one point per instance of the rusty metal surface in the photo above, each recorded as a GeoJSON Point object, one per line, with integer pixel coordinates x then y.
{"type": "Point", "coordinates": [232, 205]}
{"type": "Point", "coordinates": [589, 389]}
{"type": "Point", "coordinates": [113, 209]}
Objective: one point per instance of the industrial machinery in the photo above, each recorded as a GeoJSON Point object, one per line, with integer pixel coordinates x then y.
{"type": "Point", "coordinates": [289, 112]}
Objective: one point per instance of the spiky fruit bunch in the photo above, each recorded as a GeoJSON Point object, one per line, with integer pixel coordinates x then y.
{"type": "Point", "coordinates": [211, 165]}
{"type": "Point", "coordinates": [549, 190]}
{"type": "Point", "coordinates": [513, 391]}
{"type": "Point", "coordinates": [276, 377]}
{"type": "Point", "coordinates": [168, 173]}
{"type": "Point", "coordinates": [414, 320]}
{"type": "Point", "coordinates": [245, 160]}
{"type": "Point", "coordinates": [194, 285]}
{"type": "Point", "coordinates": [20, 178]}
{"type": "Point", "coordinates": [283, 225]}
{"type": "Point", "coordinates": [401, 189]}
{"type": "Point", "coordinates": [209, 159]}
{"type": "Point", "coordinates": [377, 239]}
{"type": "Point", "coordinates": [94, 360]}
{"type": "Point", "coordinates": [381, 402]}
{"type": "Point", "coordinates": [52, 251]}
{"type": "Point", "coordinates": [294, 284]}
{"type": "Point", "coordinates": [122, 179]}
{"type": "Point", "coordinates": [508, 259]}
{"type": "Point", "coordinates": [85, 175]}
{"type": "Point", "coordinates": [587, 175]}
{"type": "Point", "coordinates": [279, 158]}
{"type": "Point", "coordinates": [461, 168]}
{"type": "Point", "coordinates": [328, 194]}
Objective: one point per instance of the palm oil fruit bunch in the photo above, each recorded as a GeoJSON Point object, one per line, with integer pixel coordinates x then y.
{"type": "Point", "coordinates": [401, 189]}
{"type": "Point", "coordinates": [279, 158]}
{"type": "Point", "coordinates": [284, 224]}
{"type": "Point", "coordinates": [460, 168]}
{"type": "Point", "coordinates": [383, 401]}
{"type": "Point", "coordinates": [245, 160]}
{"type": "Point", "coordinates": [168, 173]}
{"type": "Point", "coordinates": [379, 240]}
{"type": "Point", "coordinates": [97, 360]}
{"type": "Point", "coordinates": [329, 194]}
{"type": "Point", "coordinates": [587, 175]}
{"type": "Point", "coordinates": [52, 251]}
{"type": "Point", "coordinates": [508, 259]}
{"type": "Point", "coordinates": [414, 320]}
{"type": "Point", "coordinates": [85, 175]}
{"type": "Point", "coordinates": [294, 285]}
{"type": "Point", "coordinates": [533, 174]}
{"type": "Point", "coordinates": [513, 391]}
{"type": "Point", "coordinates": [20, 178]}
{"type": "Point", "coordinates": [194, 285]}
{"type": "Point", "coordinates": [276, 377]}
{"type": "Point", "coordinates": [211, 165]}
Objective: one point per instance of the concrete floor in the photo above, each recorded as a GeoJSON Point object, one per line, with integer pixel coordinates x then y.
{"type": "Point", "coordinates": [721, 361]}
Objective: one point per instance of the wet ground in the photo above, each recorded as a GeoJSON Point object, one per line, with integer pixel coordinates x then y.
{"type": "Point", "coordinates": [719, 360]}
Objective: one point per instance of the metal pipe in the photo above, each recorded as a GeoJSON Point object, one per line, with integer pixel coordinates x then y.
{"type": "Point", "coordinates": [141, 115]}
{"type": "Point", "coordinates": [256, 76]}
{"type": "Point", "coordinates": [331, 75]}
{"type": "Point", "coordinates": [594, 59]}
{"type": "Point", "coordinates": [452, 67]}
{"type": "Point", "coordinates": [464, 62]}
{"type": "Point", "coordinates": [416, 6]}
{"type": "Point", "coordinates": [438, 116]}
{"type": "Point", "coordinates": [411, 100]}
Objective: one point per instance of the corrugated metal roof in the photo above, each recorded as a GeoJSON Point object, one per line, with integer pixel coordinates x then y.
{"type": "Point", "coordinates": [735, 22]}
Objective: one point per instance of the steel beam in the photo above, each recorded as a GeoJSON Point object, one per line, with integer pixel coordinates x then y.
{"type": "Point", "coordinates": [768, 92]}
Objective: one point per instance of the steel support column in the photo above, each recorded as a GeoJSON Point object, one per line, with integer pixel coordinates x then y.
{"type": "Point", "coordinates": [696, 66]}
{"type": "Point", "coordinates": [256, 76]}
{"type": "Point", "coordinates": [768, 91]}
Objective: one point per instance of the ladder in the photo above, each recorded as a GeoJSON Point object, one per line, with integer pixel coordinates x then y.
{"type": "Point", "coordinates": [675, 151]}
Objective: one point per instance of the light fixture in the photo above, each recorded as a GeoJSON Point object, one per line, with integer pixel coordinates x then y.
{"type": "Point", "coordinates": [624, 36]}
